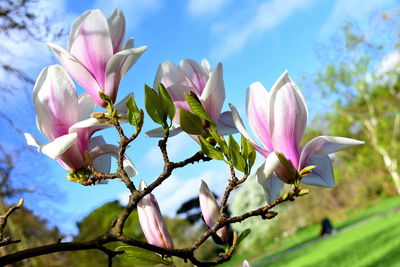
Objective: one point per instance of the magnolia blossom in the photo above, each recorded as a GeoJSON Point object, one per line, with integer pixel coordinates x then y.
{"type": "Point", "coordinates": [210, 211]}
{"type": "Point", "coordinates": [95, 57]}
{"type": "Point", "coordinates": [151, 221]}
{"type": "Point", "coordinates": [61, 117]}
{"type": "Point", "coordinates": [206, 84]}
{"type": "Point", "coordinates": [278, 118]}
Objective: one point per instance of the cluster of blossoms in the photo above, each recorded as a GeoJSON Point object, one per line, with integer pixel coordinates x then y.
{"type": "Point", "coordinates": [97, 60]}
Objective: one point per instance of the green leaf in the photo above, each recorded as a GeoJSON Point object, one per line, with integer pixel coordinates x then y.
{"type": "Point", "coordinates": [134, 116]}
{"type": "Point", "coordinates": [234, 153]}
{"type": "Point", "coordinates": [140, 256]}
{"type": "Point", "coordinates": [287, 164]}
{"type": "Point", "coordinates": [197, 108]}
{"type": "Point", "coordinates": [220, 140]}
{"type": "Point", "coordinates": [209, 150]}
{"type": "Point", "coordinates": [307, 169]}
{"type": "Point", "coordinates": [154, 106]}
{"type": "Point", "coordinates": [251, 154]}
{"type": "Point", "coordinates": [243, 146]}
{"type": "Point", "coordinates": [167, 101]}
{"type": "Point", "coordinates": [190, 122]}
{"type": "Point", "coordinates": [108, 100]}
{"type": "Point", "coordinates": [243, 235]}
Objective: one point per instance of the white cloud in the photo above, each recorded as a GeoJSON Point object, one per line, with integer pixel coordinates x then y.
{"type": "Point", "coordinates": [261, 18]}
{"type": "Point", "coordinates": [206, 7]}
{"type": "Point", "coordinates": [359, 10]}
{"type": "Point", "coordinates": [123, 198]}
{"type": "Point", "coordinates": [134, 10]}
{"type": "Point", "coordinates": [389, 63]}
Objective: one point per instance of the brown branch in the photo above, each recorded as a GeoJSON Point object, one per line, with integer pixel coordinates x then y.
{"type": "Point", "coordinates": [115, 232]}
{"type": "Point", "coordinates": [3, 222]}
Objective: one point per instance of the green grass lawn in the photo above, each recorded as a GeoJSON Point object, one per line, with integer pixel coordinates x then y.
{"type": "Point", "coordinates": [311, 232]}
{"type": "Point", "coordinates": [374, 243]}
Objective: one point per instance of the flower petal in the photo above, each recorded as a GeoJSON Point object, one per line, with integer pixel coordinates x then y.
{"type": "Point", "coordinates": [129, 44]}
{"type": "Point", "coordinates": [271, 183]}
{"type": "Point", "coordinates": [116, 25]}
{"type": "Point", "coordinates": [31, 140]}
{"type": "Point", "coordinates": [225, 124]}
{"type": "Point", "coordinates": [213, 96]}
{"type": "Point", "coordinates": [288, 118]}
{"type": "Point", "coordinates": [58, 146]}
{"type": "Point", "coordinates": [324, 145]}
{"type": "Point", "coordinates": [206, 66]}
{"type": "Point", "coordinates": [92, 124]}
{"type": "Point", "coordinates": [85, 106]}
{"type": "Point", "coordinates": [75, 28]}
{"type": "Point", "coordinates": [240, 126]}
{"type": "Point", "coordinates": [117, 67]}
{"type": "Point", "coordinates": [79, 72]}
{"type": "Point", "coordinates": [257, 109]}
{"type": "Point", "coordinates": [121, 105]}
{"type": "Point", "coordinates": [92, 45]}
{"type": "Point", "coordinates": [195, 72]}
{"type": "Point", "coordinates": [101, 163]}
{"type": "Point", "coordinates": [112, 150]}
{"type": "Point", "coordinates": [176, 83]}
{"type": "Point", "coordinates": [322, 175]}
{"type": "Point", "coordinates": [55, 101]}
{"type": "Point", "coordinates": [159, 132]}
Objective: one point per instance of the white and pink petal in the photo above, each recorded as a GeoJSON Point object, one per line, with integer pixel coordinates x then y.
{"type": "Point", "coordinates": [213, 96]}
{"type": "Point", "coordinates": [265, 176]}
{"type": "Point", "coordinates": [324, 145]}
{"type": "Point", "coordinates": [55, 101]}
{"type": "Point", "coordinates": [322, 175]}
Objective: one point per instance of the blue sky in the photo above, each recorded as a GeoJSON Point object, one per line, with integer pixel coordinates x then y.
{"type": "Point", "coordinates": [256, 40]}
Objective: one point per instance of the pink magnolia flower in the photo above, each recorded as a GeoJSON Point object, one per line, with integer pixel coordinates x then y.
{"type": "Point", "coordinates": [278, 118]}
{"type": "Point", "coordinates": [210, 211]}
{"type": "Point", "coordinates": [151, 221]}
{"type": "Point", "coordinates": [95, 57]}
{"type": "Point", "coordinates": [61, 117]}
{"type": "Point", "coordinates": [206, 84]}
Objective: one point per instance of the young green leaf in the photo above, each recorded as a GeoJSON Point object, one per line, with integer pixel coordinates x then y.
{"type": "Point", "coordinates": [251, 154]}
{"type": "Point", "coordinates": [220, 140]}
{"type": "Point", "coordinates": [197, 108]}
{"type": "Point", "coordinates": [190, 122]}
{"type": "Point", "coordinates": [243, 146]}
{"type": "Point", "coordinates": [287, 164]}
{"type": "Point", "coordinates": [209, 150]}
{"type": "Point", "coordinates": [307, 170]}
{"type": "Point", "coordinates": [134, 116]}
{"type": "Point", "coordinates": [234, 153]}
{"type": "Point", "coordinates": [140, 256]}
{"type": "Point", "coordinates": [154, 106]}
{"type": "Point", "coordinates": [108, 100]}
{"type": "Point", "coordinates": [167, 101]}
{"type": "Point", "coordinates": [243, 235]}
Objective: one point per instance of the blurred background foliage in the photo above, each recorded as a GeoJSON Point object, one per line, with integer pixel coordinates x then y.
{"type": "Point", "coordinates": [359, 73]}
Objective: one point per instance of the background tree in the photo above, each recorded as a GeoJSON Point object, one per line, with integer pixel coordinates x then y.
{"type": "Point", "coordinates": [364, 84]}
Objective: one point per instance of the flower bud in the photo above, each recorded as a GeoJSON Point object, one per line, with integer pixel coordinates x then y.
{"type": "Point", "coordinates": [151, 221]}
{"type": "Point", "coordinates": [210, 211]}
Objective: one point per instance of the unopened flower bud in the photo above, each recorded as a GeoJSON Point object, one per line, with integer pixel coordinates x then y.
{"type": "Point", "coordinates": [210, 211]}
{"type": "Point", "coordinates": [151, 221]}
